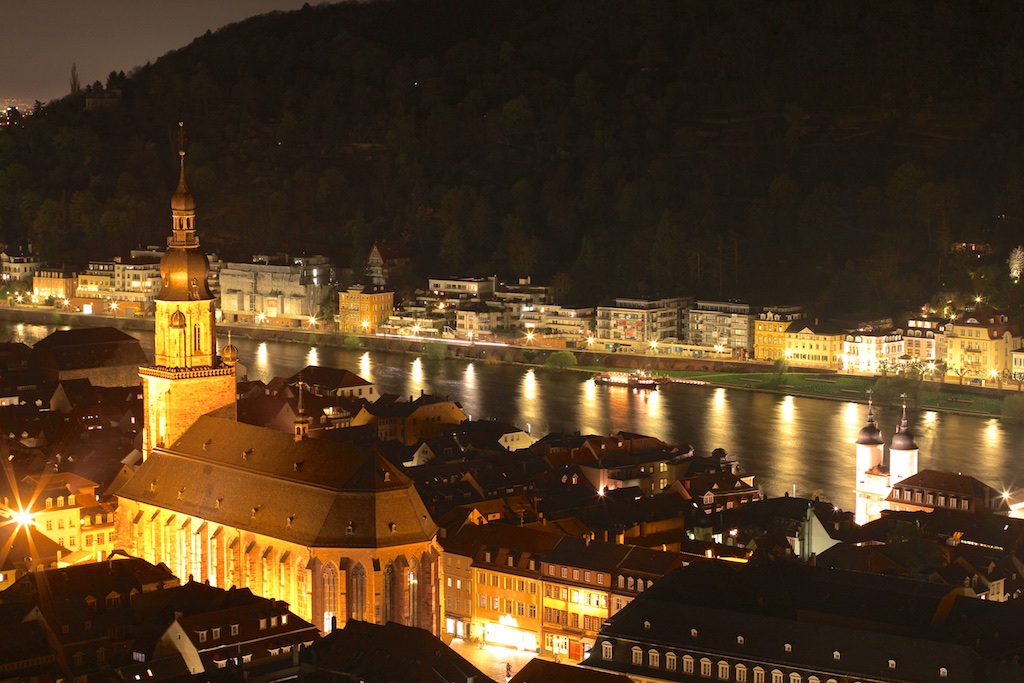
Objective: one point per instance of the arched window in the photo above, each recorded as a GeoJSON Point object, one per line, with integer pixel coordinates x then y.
{"type": "Point", "coordinates": [391, 605]}
{"type": "Point", "coordinates": [329, 585]}
{"type": "Point", "coordinates": [638, 656]}
{"type": "Point", "coordinates": [653, 659]}
{"type": "Point", "coordinates": [892, 663]}
{"type": "Point", "coordinates": [795, 678]}
{"type": "Point", "coordinates": [836, 655]}
{"type": "Point", "coordinates": [705, 667]}
{"type": "Point", "coordinates": [60, 501]}
{"type": "Point", "coordinates": [723, 670]}
{"type": "Point", "coordinates": [687, 664]}
{"type": "Point", "coordinates": [741, 673]}
{"type": "Point", "coordinates": [776, 676]}
{"type": "Point", "coordinates": [758, 675]}
{"type": "Point", "coordinates": [357, 593]}
{"type": "Point", "coordinates": [412, 593]}
{"type": "Point", "coordinates": [943, 672]}
{"type": "Point", "coordinates": [606, 650]}
{"type": "Point", "coordinates": [813, 679]}
{"type": "Point", "coordinates": [739, 640]}
{"type": "Point", "coordinates": [671, 662]}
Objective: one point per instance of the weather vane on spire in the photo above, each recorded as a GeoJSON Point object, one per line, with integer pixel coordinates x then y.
{"type": "Point", "coordinates": [181, 138]}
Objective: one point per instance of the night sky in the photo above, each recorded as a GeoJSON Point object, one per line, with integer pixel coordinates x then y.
{"type": "Point", "coordinates": [41, 39]}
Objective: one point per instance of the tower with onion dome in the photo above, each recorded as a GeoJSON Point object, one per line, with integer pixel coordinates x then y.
{"type": "Point", "coordinates": [903, 451]}
{"type": "Point", "coordinates": [187, 379]}
{"type": "Point", "coordinates": [872, 474]}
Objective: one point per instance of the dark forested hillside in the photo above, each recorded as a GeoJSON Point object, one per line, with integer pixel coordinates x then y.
{"type": "Point", "coordinates": [825, 152]}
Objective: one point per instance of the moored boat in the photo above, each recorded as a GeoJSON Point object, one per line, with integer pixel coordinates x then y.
{"type": "Point", "coordinates": [637, 379]}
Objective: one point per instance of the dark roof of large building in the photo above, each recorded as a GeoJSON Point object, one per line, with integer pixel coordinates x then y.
{"type": "Point", "coordinates": [953, 483]}
{"type": "Point", "coordinates": [312, 492]}
{"type": "Point", "coordinates": [539, 670]}
{"type": "Point", "coordinates": [391, 653]}
{"type": "Point", "coordinates": [797, 617]}
{"type": "Point", "coordinates": [89, 347]}
{"type": "Point", "coordinates": [328, 378]}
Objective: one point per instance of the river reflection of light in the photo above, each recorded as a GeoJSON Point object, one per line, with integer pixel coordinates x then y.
{"type": "Point", "coordinates": [468, 390]}
{"type": "Point", "coordinates": [719, 427]}
{"type": "Point", "coordinates": [652, 399]}
{"type": "Point", "coordinates": [364, 364]}
{"type": "Point", "coordinates": [312, 358]}
{"type": "Point", "coordinates": [591, 409]}
{"type": "Point", "coordinates": [529, 407]}
{"type": "Point", "coordinates": [530, 386]}
{"type": "Point", "coordinates": [851, 414]}
{"type": "Point", "coordinates": [261, 356]}
{"type": "Point", "coordinates": [993, 435]}
{"type": "Point", "coordinates": [789, 461]}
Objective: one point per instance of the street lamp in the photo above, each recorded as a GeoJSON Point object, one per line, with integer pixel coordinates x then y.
{"type": "Point", "coordinates": [365, 325]}
{"type": "Point", "coordinates": [529, 337]}
{"type": "Point", "coordinates": [312, 321]}
{"type": "Point", "coordinates": [416, 329]}
{"type": "Point", "coordinates": [654, 346]}
{"type": "Point", "coordinates": [590, 341]}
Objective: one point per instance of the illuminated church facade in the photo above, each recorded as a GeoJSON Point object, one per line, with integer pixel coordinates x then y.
{"type": "Point", "coordinates": [332, 528]}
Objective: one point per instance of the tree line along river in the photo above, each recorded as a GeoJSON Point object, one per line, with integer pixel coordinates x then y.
{"type": "Point", "coordinates": [788, 443]}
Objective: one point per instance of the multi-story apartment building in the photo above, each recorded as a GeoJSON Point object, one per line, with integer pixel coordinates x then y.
{"type": "Point", "coordinates": [524, 292]}
{"type": "Point", "coordinates": [721, 324]}
{"type": "Point", "coordinates": [641, 321]}
{"type": "Point", "coordinates": [980, 343]}
{"type": "Point", "coordinates": [59, 283]}
{"type": "Point", "coordinates": [478, 318]}
{"type": "Point", "coordinates": [136, 282]}
{"type": "Point", "coordinates": [96, 281]}
{"type": "Point", "coordinates": [555, 320]}
{"type": "Point", "coordinates": [770, 331]}
{"type": "Point", "coordinates": [442, 289]}
{"type": "Point", "coordinates": [924, 339]}
{"type": "Point", "coordinates": [16, 265]}
{"type": "Point", "coordinates": [363, 310]}
{"type": "Point", "coordinates": [64, 508]}
{"type": "Point", "coordinates": [872, 351]}
{"type": "Point", "coordinates": [281, 290]}
{"type": "Point", "coordinates": [508, 588]}
{"type": "Point", "coordinates": [814, 345]}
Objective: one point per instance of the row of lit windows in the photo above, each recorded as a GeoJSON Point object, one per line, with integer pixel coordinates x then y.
{"type": "Point", "coordinates": [724, 671]}
{"type": "Point", "coordinates": [929, 499]}
{"type": "Point", "coordinates": [564, 571]}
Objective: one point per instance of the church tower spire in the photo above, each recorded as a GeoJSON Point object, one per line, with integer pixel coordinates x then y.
{"type": "Point", "coordinates": [301, 419]}
{"type": "Point", "coordinates": [187, 378]}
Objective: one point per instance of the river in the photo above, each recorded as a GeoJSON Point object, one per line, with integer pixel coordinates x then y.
{"type": "Point", "coordinates": [789, 443]}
